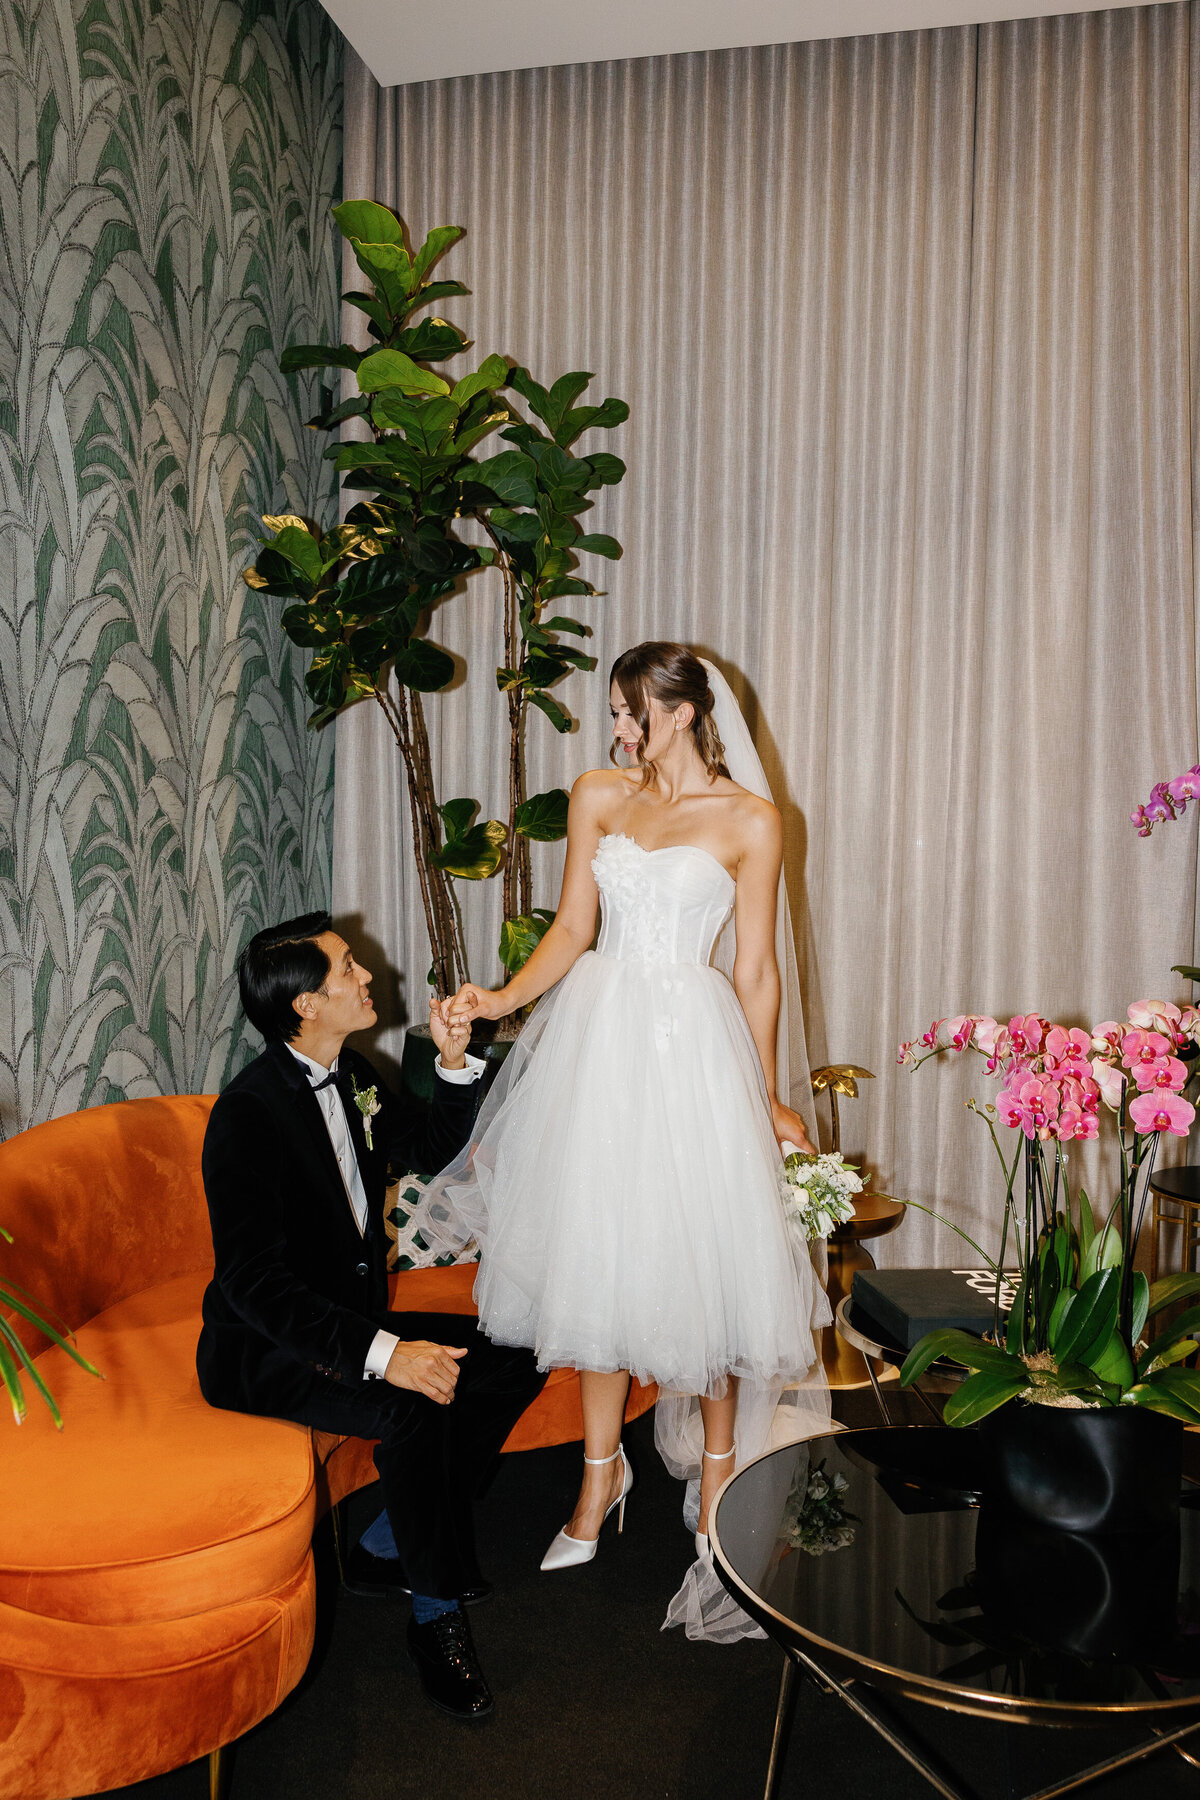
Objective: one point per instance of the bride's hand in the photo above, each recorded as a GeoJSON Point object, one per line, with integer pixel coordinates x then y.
{"type": "Point", "coordinates": [790, 1129]}
{"type": "Point", "coordinates": [473, 1002]}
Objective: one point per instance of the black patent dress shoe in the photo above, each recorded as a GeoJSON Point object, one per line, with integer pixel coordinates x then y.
{"type": "Point", "coordinates": [445, 1659]}
{"type": "Point", "coordinates": [383, 1578]}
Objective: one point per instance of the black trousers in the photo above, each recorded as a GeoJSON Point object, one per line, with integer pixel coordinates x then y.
{"type": "Point", "coordinates": [433, 1460]}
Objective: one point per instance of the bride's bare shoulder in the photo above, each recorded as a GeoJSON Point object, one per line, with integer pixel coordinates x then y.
{"type": "Point", "coordinates": [595, 791]}
{"type": "Point", "coordinates": [759, 822]}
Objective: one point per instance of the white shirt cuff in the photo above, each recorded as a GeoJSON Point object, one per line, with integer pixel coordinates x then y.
{"type": "Point", "coordinates": [379, 1355]}
{"type": "Point", "coordinates": [472, 1072]}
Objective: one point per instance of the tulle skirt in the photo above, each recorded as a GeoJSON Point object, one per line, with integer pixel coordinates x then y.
{"type": "Point", "coordinates": [623, 1186]}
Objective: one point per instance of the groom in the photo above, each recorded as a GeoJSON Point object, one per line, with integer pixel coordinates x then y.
{"type": "Point", "coordinates": [296, 1322]}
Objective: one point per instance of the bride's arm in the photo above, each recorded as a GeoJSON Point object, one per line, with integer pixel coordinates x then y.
{"type": "Point", "coordinates": [574, 924]}
{"type": "Point", "coordinates": [756, 966]}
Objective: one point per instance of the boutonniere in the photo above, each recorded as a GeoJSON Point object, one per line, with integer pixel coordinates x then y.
{"type": "Point", "coordinates": [367, 1102]}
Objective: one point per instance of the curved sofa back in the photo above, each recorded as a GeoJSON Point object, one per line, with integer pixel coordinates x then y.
{"type": "Point", "coordinates": [102, 1204]}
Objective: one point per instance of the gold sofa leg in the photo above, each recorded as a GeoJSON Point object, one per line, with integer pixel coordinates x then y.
{"type": "Point", "coordinates": [220, 1772]}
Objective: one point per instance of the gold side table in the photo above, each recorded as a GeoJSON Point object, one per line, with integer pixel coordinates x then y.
{"type": "Point", "coordinates": [1179, 1191]}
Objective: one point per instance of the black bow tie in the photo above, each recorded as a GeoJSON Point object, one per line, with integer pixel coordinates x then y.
{"type": "Point", "coordinates": [329, 1081]}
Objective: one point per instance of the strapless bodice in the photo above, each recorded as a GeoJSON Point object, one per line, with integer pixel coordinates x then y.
{"type": "Point", "coordinates": [659, 906]}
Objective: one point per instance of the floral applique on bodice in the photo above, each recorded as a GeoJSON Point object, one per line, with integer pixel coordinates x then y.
{"type": "Point", "coordinates": [659, 906]}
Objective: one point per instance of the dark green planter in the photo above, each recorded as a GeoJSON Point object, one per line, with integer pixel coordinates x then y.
{"type": "Point", "coordinates": [420, 1053]}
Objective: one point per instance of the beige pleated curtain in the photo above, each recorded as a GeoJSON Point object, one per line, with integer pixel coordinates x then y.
{"type": "Point", "coordinates": [906, 325]}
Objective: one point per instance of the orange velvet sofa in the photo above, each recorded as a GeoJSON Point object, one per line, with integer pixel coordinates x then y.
{"type": "Point", "coordinates": [156, 1571]}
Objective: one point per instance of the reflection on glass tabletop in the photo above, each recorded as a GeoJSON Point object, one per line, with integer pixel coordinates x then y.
{"type": "Point", "coordinates": [876, 1553]}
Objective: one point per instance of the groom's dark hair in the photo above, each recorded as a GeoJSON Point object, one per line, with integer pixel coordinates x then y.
{"type": "Point", "coordinates": [277, 965]}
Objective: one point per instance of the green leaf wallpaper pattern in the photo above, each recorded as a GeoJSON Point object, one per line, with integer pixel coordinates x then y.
{"type": "Point", "coordinates": [166, 173]}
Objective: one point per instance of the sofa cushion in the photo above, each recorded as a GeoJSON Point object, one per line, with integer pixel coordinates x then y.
{"type": "Point", "coordinates": [151, 1503]}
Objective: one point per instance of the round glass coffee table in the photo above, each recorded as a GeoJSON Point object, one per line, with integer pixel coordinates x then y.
{"type": "Point", "coordinates": [872, 1559]}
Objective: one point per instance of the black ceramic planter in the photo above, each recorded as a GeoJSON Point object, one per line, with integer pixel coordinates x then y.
{"type": "Point", "coordinates": [420, 1053]}
{"type": "Point", "coordinates": [1106, 1470]}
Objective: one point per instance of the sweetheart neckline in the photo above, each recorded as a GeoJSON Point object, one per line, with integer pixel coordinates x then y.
{"type": "Point", "coordinates": [658, 850]}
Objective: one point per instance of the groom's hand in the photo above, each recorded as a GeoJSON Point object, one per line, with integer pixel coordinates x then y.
{"type": "Point", "coordinates": [450, 1034]}
{"type": "Point", "coordinates": [424, 1368]}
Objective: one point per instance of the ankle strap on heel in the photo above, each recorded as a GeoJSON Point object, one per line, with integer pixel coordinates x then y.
{"type": "Point", "coordinates": [597, 1462]}
{"type": "Point", "coordinates": [714, 1455]}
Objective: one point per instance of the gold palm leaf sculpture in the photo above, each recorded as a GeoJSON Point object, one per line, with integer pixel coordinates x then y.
{"type": "Point", "coordinates": [838, 1078]}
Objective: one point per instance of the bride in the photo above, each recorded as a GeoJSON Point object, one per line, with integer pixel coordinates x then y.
{"type": "Point", "coordinates": [624, 1180]}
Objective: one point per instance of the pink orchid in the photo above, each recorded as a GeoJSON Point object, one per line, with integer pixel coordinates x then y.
{"type": "Point", "coordinates": [1156, 1015]}
{"type": "Point", "coordinates": [1144, 825]}
{"type": "Point", "coordinates": [1108, 1036]}
{"type": "Point", "coordinates": [1027, 1031]}
{"type": "Point", "coordinates": [959, 1030]}
{"type": "Point", "coordinates": [986, 1033]}
{"type": "Point", "coordinates": [1184, 788]}
{"type": "Point", "coordinates": [1034, 1106]}
{"type": "Point", "coordinates": [1168, 800]}
{"type": "Point", "coordinates": [1160, 1111]}
{"type": "Point", "coordinates": [1189, 1023]}
{"type": "Point", "coordinates": [1073, 1122]}
{"type": "Point", "coordinates": [1110, 1081]}
{"type": "Point", "coordinates": [1143, 1047]}
{"type": "Point", "coordinates": [1067, 1051]}
{"type": "Point", "coordinates": [930, 1038]}
{"type": "Point", "coordinates": [1165, 1072]}
{"type": "Point", "coordinates": [907, 1054]}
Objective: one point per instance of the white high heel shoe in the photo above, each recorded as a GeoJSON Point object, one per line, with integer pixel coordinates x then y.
{"type": "Point", "coordinates": [703, 1547]}
{"type": "Point", "coordinates": [565, 1551]}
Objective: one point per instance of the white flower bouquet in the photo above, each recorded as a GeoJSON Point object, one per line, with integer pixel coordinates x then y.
{"type": "Point", "coordinates": [815, 1519]}
{"type": "Point", "coordinates": [818, 1192]}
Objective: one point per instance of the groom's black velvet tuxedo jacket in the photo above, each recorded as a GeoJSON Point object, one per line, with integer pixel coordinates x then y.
{"type": "Point", "coordinates": [297, 1290]}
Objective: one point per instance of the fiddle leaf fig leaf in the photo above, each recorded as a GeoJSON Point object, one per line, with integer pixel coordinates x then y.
{"type": "Point", "coordinates": [392, 369]}
{"type": "Point", "coordinates": [508, 679]}
{"type": "Point", "coordinates": [560, 719]}
{"type": "Point", "coordinates": [439, 290]}
{"type": "Point", "coordinates": [435, 245]}
{"type": "Point", "coordinates": [525, 526]}
{"type": "Point", "coordinates": [422, 666]}
{"type": "Point", "coordinates": [431, 341]}
{"type": "Point", "coordinates": [280, 521]}
{"type": "Point", "coordinates": [312, 627]}
{"type": "Point", "coordinates": [368, 221]}
{"type": "Point", "coordinates": [599, 543]}
{"type": "Point", "coordinates": [457, 816]}
{"type": "Point", "coordinates": [476, 855]}
{"type": "Point", "coordinates": [520, 937]}
{"type": "Point", "coordinates": [300, 548]}
{"type": "Point", "coordinates": [491, 373]}
{"type": "Point", "coordinates": [510, 475]}
{"type": "Point", "coordinates": [605, 470]}
{"type": "Point", "coordinates": [543, 817]}
{"type": "Point", "coordinates": [584, 418]}
{"type": "Point", "coordinates": [573, 625]}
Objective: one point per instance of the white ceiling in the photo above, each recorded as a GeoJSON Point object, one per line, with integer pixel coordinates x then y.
{"type": "Point", "coordinates": [411, 40]}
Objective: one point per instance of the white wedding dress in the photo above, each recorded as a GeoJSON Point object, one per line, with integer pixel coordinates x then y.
{"type": "Point", "coordinates": [623, 1186]}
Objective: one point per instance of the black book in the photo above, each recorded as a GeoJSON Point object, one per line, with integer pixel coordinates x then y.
{"type": "Point", "coordinates": [906, 1303]}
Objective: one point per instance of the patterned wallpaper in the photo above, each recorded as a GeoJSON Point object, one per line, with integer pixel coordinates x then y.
{"type": "Point", "coordinates": [166, 172]}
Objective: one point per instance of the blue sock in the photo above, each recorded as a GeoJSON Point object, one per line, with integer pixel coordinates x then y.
{"type": "Point", "coordinates": [425, 1607]}
{"type": "Point", "coordinates": [378, 1540]}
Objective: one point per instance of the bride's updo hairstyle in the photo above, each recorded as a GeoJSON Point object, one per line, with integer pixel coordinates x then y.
{"type": "Point", "coordinates": [672, 675]}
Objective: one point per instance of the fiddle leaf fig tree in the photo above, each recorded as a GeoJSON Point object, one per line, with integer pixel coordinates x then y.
{"type": "Point", "coordinates": [360, 594]}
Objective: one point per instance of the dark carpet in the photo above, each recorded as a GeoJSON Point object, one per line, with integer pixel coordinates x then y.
{"type": "Point", "coordinates": [593, 1702]}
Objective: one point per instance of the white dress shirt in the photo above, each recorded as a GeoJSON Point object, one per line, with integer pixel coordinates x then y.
{"type": "Point", "coordinates": [334, 1114]}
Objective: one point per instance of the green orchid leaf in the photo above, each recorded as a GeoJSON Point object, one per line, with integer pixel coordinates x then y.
{"type": "Point", "coordinates": [1181, 1327]}
{"type": "Point", "coordinates": [476, 855]}
{"type": "Point", "coordinates": [960, 1347]}
{"type": "Point", "coordinates": [560, 719]}
{"type": "Point", "coordinates": [1186, 969]}
{"type": "Point", "coordinates": [319, 356]}
{"type": "Point", "coordinates": [1075, 1378]}
{"type": "Point", "coordinates": [520, 937]}
{"type": "Point", "coordinates": [1090, 1318]}
{"type": "Point", "coordinates": [543, 817]}
{"type": "Point", "coordinates": [599, 544]}
{"type": "Point", "coordinates": [1061, 1305]}
{"type": "Point", "coordinates": [1173, 1391]}
{"type": "Point", "coordinates": [392, 369]}
{"type": "Point", "coordinates": [1087, 1226]}
{"type": "Point", "coordinates": [422, 666]}
{"type": "Point", "coordinates": [1174, 1353]}
{"type": "Point", "coordinates": [1113, 1362]}
{"type": "Point", "coordinates": [1169, 1289]}
{"type": "Point", "coordinates": [981, 1394]}
{"type": "Point", "coordinates": [1141, 1305]}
